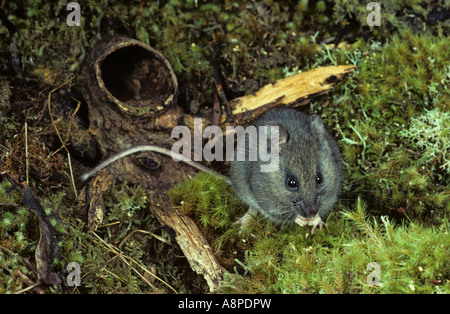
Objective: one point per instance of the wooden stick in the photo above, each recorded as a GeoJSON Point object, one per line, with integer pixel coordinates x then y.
{"type": "Point", "coordinates": [292, 91]}
{"type": "Point", "coordinates": [190, 239]}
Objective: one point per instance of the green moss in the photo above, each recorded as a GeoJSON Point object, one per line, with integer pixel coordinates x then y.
{"type": "Point", "coordinates": [18, 238]}
{"type": "Point", "coordinates": [129, 229]}
{"type": "Point", "coordinates": [207, 197]}
{"type": "Point", "coordinates": [124, 203]}
{"type": "Point", "coordinates": [378, 114]}
{"type": "Point", "coordinates": [394, 15]}
{"type": "Point", "coordinates": [411, 258]}
{"type": "Point", "coordinates": [212, 202]}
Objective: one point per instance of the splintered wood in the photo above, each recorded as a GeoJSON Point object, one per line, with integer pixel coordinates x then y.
{"type": "Point", "coordinates": [292, 91]}
{"type": "Point", "coordinates": [191, 241]}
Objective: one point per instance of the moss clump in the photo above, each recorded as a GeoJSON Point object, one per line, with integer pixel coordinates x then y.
{"type": "Point", "coordinates": [118, 257]}
{"type": "Point", "coordinates": [238, 36]}
{"type": "Point", "coordinates": [411, 259]}
{"type": "Point", "coordinates": [209, 198]}
{"type": "Point", "coordinates": [212, 202]}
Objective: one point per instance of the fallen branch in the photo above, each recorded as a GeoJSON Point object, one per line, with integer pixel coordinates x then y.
{"type": "Point", "coordinates": [295, 90]}
{"type": "Point", "coordinates": [190, 239]}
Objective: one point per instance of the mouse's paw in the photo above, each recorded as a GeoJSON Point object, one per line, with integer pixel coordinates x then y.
{"type": "Point", "coordinates": [245, 220]}
{"type": "Point", "coordinates": [316, 222]}
{"type": "Point", "coordinates": [320, 224]}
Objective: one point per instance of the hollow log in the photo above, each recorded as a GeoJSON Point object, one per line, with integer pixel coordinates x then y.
{"type": "Point", "coordinates": [127, 85]}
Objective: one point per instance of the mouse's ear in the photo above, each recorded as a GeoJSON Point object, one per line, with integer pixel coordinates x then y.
{"type": "Point", "coordinates": [275, 135]}
{"type": "Point", "coordinates": [317, 128]}
{"type": "Point", "coordinates": [283, 135]}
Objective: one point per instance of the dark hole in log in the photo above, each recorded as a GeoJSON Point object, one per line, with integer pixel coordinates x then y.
{"type": "Point", "coordinates": [135, 75]}
{"type": "Point", "coordinates": [331, 79]}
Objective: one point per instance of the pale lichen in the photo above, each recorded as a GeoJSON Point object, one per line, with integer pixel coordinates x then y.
{"type": "Point", "coordinates": [430, 135]}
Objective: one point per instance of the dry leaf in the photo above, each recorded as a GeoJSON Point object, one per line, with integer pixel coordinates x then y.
{"type": "Point", "coordinates": [47, 250]}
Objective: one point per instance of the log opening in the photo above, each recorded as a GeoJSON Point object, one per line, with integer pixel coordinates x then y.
{"type": "Point", "coordinates": [136, 77]}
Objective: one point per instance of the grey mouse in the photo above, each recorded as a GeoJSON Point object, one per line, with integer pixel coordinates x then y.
{"type": "Point", "coordinates": [306, 185]}
{"type": "Point", "coordinates": [302, 190]}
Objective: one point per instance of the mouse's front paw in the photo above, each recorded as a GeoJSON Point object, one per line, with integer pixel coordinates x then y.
{"type": "Point", "coordinates": [245, 220]}
{"type": "Point", "coordinates": [320, 224]}
{"type": "Point", "coordinates": [316, 222]}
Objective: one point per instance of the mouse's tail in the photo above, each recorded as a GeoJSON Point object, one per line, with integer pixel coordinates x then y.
{"type": "Point", "coordinates": [152, 148]}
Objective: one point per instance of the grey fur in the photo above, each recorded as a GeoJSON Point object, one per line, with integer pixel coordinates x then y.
{"type": "Point", "coordinates": [308, 150]}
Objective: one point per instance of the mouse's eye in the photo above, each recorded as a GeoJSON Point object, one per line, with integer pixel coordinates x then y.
{"type": "Point", "coordinates": [292, 183]}
{"type": "Point", "coordinates": [319, 178]}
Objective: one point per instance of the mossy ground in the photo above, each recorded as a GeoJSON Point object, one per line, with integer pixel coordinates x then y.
{"type": "Point", "coordinates": [412, 257]}
{"type": "Point", "coordinates": [390, 118]}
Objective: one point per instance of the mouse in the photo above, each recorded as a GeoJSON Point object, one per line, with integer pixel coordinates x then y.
{"type": "Point", "coordinates": [304, 187]}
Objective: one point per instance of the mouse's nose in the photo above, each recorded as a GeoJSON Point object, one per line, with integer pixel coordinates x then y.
{"type": "Point", "coordinates": [310, 211]}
